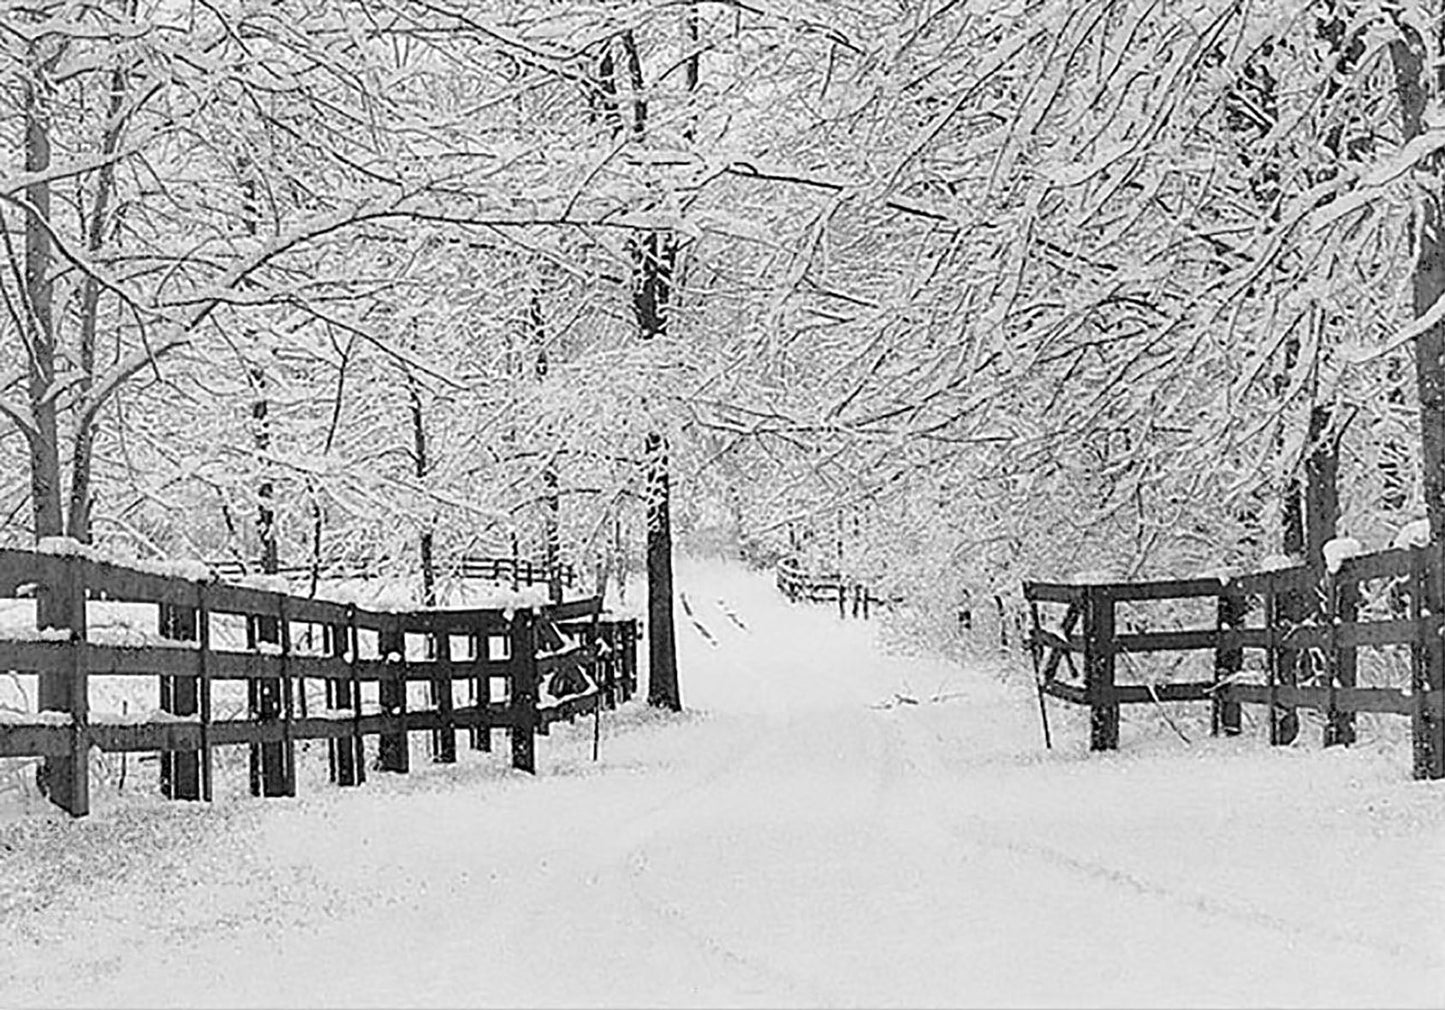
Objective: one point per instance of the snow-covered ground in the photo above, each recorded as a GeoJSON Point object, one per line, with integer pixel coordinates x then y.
{"type": "Point", "coordinates": [795, 839]}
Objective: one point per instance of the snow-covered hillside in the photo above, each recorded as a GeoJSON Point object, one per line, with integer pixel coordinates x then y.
{"type": "Point", "coordinates": [798, 838]}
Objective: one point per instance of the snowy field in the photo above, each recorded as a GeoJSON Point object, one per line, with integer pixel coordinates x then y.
{"type": "Point", "coordinates": [796, 839]}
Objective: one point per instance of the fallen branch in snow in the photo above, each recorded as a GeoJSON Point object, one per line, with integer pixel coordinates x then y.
{"type": "Point", "coordinates": [895, 701]}
{"type": "Point", "coordinates": [730, 614]}
{"type": "Point", "coordinates": [701, 630]}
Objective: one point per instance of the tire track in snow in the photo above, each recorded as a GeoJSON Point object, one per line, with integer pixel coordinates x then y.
{"type": "Point", "coordinates": [771, 750]}
{"type": "Point", "coordinates": [975, 830]}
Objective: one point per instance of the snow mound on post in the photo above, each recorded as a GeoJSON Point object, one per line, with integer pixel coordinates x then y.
{"type": "Point", "coordinates": [1413, 534]}
{"type": "Point", "coordinates": [1339, 550]}
{"type": "Point", "coordinates": [65, 547]}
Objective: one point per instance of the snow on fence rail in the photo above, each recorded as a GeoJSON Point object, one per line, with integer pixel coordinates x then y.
{"type": "Point", "coordinates": [797, 584]}
{"type": "Point", "coordinates": [1308, 631]}
{"type": "Point", "coordinates": [554, 662]}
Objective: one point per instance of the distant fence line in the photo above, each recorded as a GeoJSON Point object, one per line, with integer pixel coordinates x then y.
{"type": "Point", "coordinates": [515, 570]}
{"type": "Point", "coordinates": [1306, 621]}
{"type": "Point", "coordinates": [796, 584]}
{"type": "Point", "coordinates": [555, 662]}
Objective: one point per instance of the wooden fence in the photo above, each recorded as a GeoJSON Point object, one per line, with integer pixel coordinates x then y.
{"type": "Point", "coordinates": [797, 584]}
{"type": "Point", "coordinates": [1305, 630]}
{"type": "Point", "coordinates": [554, 663]}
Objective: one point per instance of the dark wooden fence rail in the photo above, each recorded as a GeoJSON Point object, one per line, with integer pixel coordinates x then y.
{"type": "Point", "coordinates": [556, 662]}
{"type": "Point", "coordinates": [1306, 622]}
{"type": "Point", "coordinates": [797, 584]}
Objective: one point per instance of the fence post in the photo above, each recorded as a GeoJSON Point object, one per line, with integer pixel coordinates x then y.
{"type": "Point", "coordinates": [203, 646]}
{"type": "Point", "coordinates": [1272, 652]}
{"type": "Point", "coordinates": [523, 690]}
{"type": "Point", "coordinates": [264, 704]}
{"type": "Point", "coordinates": [481, 690]}
{"type": "Point", "coordinates": [1228, 662]}
{"type": "Point", "coordinates": [1426, 723]}
{"type": "Point", "coordinates": [65, 780]}
{"type": "Point", "coordinates": [180, 770]}
{"type": "Point", "coordinates": [629, 658]}
{"type": "Point", "coordinates": [1340, 730]}
{"type": "Point", "coordinates": [288, 703]}
{"type": "Point", "coordinates": [347, 753]}
{"type": "Point", "coordinates": [393, 754]}
{"type": "Point", "coordinates": [1289, 610]}
{"type": "Point", "coordinates": [444, 738]}
{"type": "Point", "coordinates": [607, 646]}
{"type": "Point", "coordinates": [1099, 668]}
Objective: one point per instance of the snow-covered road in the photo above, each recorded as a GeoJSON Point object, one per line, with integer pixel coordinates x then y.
{"type": "Point", "coordinates": [793, 841]}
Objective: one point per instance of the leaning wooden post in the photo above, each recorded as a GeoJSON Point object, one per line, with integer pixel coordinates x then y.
{"type": "Point", "coordinates": [180, 770]}
{"type": "Point", "coordinates": [393, 753]}
{"type": "Point", "coordinates": [1099, 668]}
{"type": "Point", "coordinates": [523, 692]}
{"type": "Point", "coordinates": [1036, 654]}
{"type": "Point", "coordinates": [1225, 715]}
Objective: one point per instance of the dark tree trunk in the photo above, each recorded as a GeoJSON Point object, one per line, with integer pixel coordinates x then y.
{"type": "Point", "coordinates": [551, 497]}
{"type": "Point", "coordinates": [656, 256]}
{"type": "Point", "coordinates": [422, 463]}
{"type": "Point", "coordinates": [1415, 58]}
{"type": "Point", "coordinates": [56, 777]}
{"type": "Point", "coordinates": [265, 700]}
{"type": "Point", "coordinates": [662, 682]}
{"type": "Point", "coordinates": [1412, 56]}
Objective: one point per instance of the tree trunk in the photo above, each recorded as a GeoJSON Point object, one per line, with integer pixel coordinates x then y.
{"type": "Point", "coordinates": [656, 256]}
{"type": "Point", "coordinates": [422, 463]}
{"type": "Point", "coordinates": [268, 760]}
{"type": "Point", "coordinates": [56, 776]}
{"type": "Point", "coordinates": [1413, 58]}
{"type": "Point", "coordinates": [551, 500]}
{"type": "Point", "coordinates": [662, 681]}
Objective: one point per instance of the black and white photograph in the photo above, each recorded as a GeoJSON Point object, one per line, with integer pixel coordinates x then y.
{"type": "Point", "coordinates": [722, 503]}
